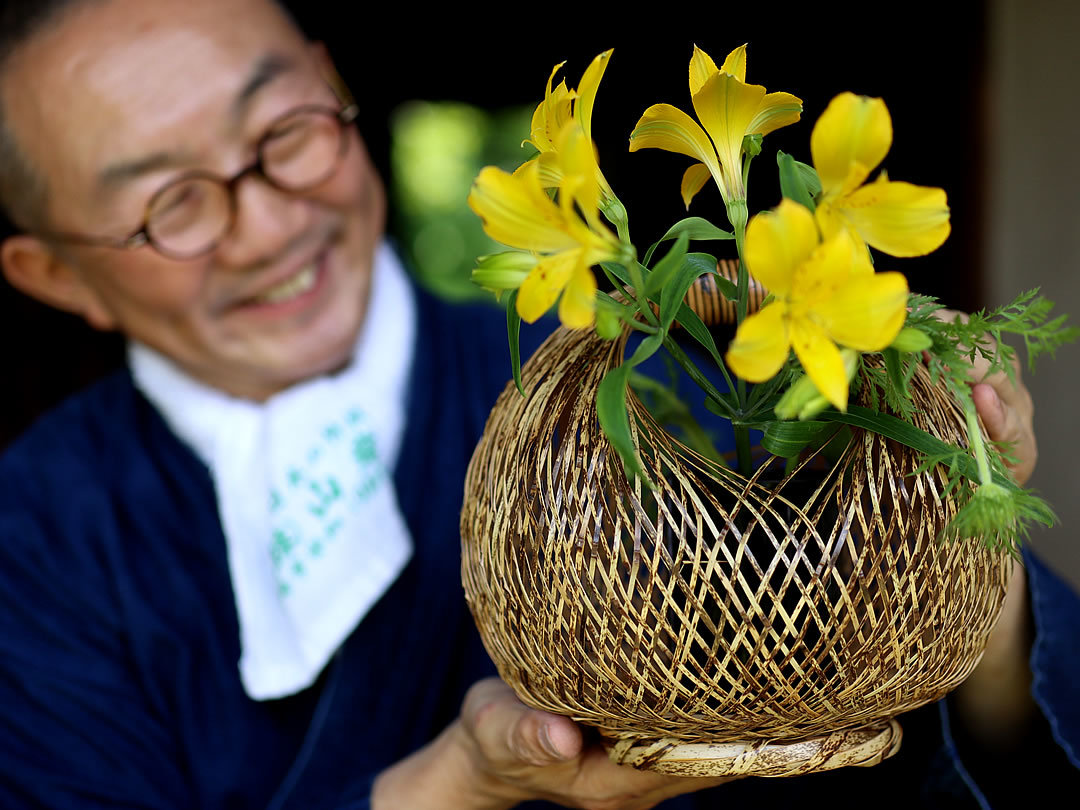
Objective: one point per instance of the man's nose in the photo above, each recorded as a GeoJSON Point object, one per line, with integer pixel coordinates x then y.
{"type": "Point", "coordinates": [266, 220]}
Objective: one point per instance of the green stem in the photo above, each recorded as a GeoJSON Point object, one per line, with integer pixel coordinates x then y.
{"type": "Point", "coordinates": [616, 282]}
{"type": "Point", "coordinates": [680, 357]}
{"type": "Point", "coordinates": [742, 433]}
{"type": "Point", "coordinates": [975, 441]}
{"type": "Point", "coordinates": [742, 450]}
{"type": "Point", "coordinates": [736, 210]}
{"type": "Point", "coordinates": [737, 216]}
{"type": "Point", "coordinates": [639, 295]}
{"type": "Point", "coordinates": [790, 464]}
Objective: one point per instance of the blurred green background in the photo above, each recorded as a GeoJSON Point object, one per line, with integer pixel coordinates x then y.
{"type": "Point", "coordinates": [436, 150]}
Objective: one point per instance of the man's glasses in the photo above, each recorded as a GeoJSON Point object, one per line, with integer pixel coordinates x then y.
{"type": "Point", "coordinates": [190, 216]}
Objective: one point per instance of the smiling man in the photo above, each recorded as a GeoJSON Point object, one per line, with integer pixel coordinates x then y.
{"type": "Point", "coordinates": [228, 573]}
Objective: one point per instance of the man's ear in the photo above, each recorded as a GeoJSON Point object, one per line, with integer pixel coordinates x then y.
{"type": "Point", "coordinates": [34, 267]}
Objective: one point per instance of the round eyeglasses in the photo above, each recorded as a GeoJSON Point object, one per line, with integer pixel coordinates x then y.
{"type": "Point", "coordinates": [190, 216]}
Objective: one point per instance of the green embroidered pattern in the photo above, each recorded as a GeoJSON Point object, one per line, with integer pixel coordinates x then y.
{"type": "Point", "coordinates": [315, 489]}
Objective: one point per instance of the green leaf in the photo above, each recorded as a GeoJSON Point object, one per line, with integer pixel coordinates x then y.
{"type": "Point", "coordinates": [894, 367]}
{"type": "Point", "coordinates": [611, 406]}
{"type": "Point", "coordinates": [666, 267]}
{"type": "Point", "coordinates": [513, 333]}
{"type": "Point", "coordinates": [695, 228]}
{"type": "Point", "coordinates": [907, 434]}
{"type": "Point", "coordinates": [692, 268]}
{"type": "Point", "coordinates": [726, 407]}
{"type": "Point", "coordinates": [668, 409]}
{"type": "Point", "coordinates": [788, 439]}
{"type": "Point", "coordinates": [810, 178]}
{"type": "Point", "coordinates": [619, 271]}
{"type": "Point", "coordinates": [727, 288]}
{"type": "Point", "coordinates": [697, 329]}
{"type": "Point", "coordinates": [792, 184]}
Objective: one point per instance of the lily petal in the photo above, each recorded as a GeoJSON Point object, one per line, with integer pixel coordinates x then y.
{"type": "Point", "coordinates": [829, 220]}
{"type": "Point", "coordinates": [548, 169]}
{"type": "Point", "coordinates": [725, 106]}
{"type": "Point", "coordinates": [777, 243]}
{"type": "Point", "coordinates": [663, 126]}
{"type": "Point", "coordinates": [867, 312]}
{"type": "Point", "coordinates": [578, 161]}
{"type": "Point", "coordinates": [516, 211]}
{"type": "Point", "coordinates": [577, 307]}
{"type": "Point", "coordinates": [761, 344]}
{"type": "Point", "coordinates": [849, 140]}
{"type": "Point", "coordinates": [824, 273]}
{"type": "Point", "coordinates": [898, 218]}
{"type": "Point", "coordinates": [702, 67]}
{"type": "Point", "coordinates": [822, 361]}
{"type": "Point", "coordinates": [776, 110]}
{"type": "Point", "coordinates": [551, 113]}
{"type": "Point", "coordinates": [693, 181]}
{"type": "Point", "coordinates": [542, 286]}
{"type": "Point", "coordinates": [586, 91]}
{"type": "Point", "coordinates": [735, 63]}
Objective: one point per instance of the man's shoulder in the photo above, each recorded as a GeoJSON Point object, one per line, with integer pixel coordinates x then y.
{"type": "Point", "coordinates": [100, 447]}
{"type": "Point", "coordinates": [82, 429]}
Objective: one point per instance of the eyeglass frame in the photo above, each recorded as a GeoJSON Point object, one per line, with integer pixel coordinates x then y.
{"type": "Point", "coordinates": [344, 116]}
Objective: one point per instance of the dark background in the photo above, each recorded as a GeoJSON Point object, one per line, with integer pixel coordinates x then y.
{"type": "Point", "coordinates": [927, 62]}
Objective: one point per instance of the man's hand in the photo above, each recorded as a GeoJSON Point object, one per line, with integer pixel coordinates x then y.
{"type": "Point", "coordinates": [1006, 409]}
{"type": "Point", "coordinates": [995, 701]}
{"type": "Point", "coordinates": [500, 753]}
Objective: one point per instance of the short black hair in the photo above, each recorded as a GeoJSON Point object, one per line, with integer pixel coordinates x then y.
{"type": "Point", "coordinates": [23, 194]}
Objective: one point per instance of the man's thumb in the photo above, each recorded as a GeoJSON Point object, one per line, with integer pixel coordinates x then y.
{"type": "Point", "coordinates": [506, 729]}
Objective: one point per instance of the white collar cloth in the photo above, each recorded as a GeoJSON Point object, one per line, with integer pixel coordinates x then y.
{"type": "Point", "coordinates": [305, 489]}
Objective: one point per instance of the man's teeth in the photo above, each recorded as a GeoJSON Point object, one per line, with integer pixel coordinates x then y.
{"type": "Point", "coordinates": [290, 288]}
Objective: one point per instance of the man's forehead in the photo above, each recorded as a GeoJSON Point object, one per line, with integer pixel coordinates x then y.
{"type": "Point", "coordinates": [116, 76]}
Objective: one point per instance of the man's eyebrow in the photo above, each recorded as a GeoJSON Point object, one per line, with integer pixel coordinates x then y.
{"type": "Point", "coordinates": [116, 174]}
{"type": "Point", "coordinates": [266, 70]}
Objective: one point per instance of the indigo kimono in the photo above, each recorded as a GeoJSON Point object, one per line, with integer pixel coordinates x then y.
{"type": "Point", "coordinates": [119, 639]}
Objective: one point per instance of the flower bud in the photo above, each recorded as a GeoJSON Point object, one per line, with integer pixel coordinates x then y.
{"type": "Point", "coordinates": [910, 339]}
{"type": "Point", "coordinates": [803, 400]}
{"type": "Point", "coordinates": [607, 324]}
{"type": "Point", "coordinates": [503, 271]}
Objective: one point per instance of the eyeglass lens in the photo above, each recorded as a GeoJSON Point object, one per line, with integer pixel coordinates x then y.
{"type": "Point", "coordinates": [191, 215]}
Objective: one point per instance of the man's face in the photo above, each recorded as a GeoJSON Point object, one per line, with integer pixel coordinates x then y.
{"type": "Point", "coordinates": [121, 97]}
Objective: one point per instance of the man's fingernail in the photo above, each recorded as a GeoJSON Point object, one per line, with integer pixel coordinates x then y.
{"type": "Point", "coordinates": [546, 742]}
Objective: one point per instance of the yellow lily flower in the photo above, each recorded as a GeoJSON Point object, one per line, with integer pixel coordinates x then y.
{"type": "Point", "coordinates": [825, 295]}
{"type": "Point", "coordinates": [849, 140]}
{"type": "Point", "coordinates": [729, 110]}
{"type": "Point", "coordinates": [516, 210]}
{"type": "Point", "coordinates": [560, 106]}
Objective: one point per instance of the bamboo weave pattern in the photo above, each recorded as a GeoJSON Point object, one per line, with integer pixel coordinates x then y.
{"type": "Point", "coordinates": [714, 609]}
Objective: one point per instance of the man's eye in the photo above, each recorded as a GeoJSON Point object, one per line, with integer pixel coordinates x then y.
{"type": "Point", "coordinates": [176, 199]}
{"type": "Point", "coordinates": [282, 142]}
{"type": "Point", "coordinates": [179, 204]}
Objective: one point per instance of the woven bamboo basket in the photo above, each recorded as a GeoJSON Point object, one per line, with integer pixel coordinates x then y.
{"type": "Point", "coordinates": [716, 625]}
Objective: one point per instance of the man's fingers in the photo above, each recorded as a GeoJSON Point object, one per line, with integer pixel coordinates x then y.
{"type": "Point", "coordinates": [507, 730]}
{"type": "Point", "coordinates": [992, 410]}
{"type": "Point", "coordinates": [1005, 407]}
{"type": "Point", "coordinates": [1010, 423]}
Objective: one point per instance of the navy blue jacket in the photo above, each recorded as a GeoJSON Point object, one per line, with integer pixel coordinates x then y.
{"type": "Point", "coordinates": [119, 639]}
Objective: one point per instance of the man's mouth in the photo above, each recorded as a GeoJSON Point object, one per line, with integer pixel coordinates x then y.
{"type": "Point", "coordinates": [302, 281]}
